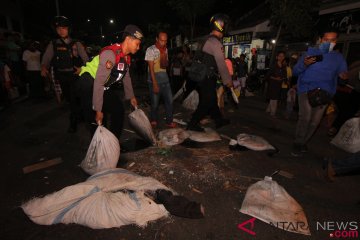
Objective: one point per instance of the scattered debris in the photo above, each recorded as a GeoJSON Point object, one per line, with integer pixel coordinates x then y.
{"type": "Point", "coordinates": [196, 190]}
{"type": "Point", "coordinates": [127, 130]}
{"type": "Point", "coordinates": [171, 172]}
{"type": "Point", "coordinates": [131, 164]}
{"type": "Point", "coordinates": [42, 165]}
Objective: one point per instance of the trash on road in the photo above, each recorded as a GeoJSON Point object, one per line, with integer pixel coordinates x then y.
{"type": "Point", "coordinates": [42, 165]}
{"type": "Point", "coordinates": [141, 124]}
{"type": "Point", "coordinates": [348, 138]}
{"type": "Point", "coordinates": [269, 202]}
{"type": "Point", "coordinates": [103, 152]}
{"type": "Point", "coordinates": [111, 198]}
{"type": "Point", "coordinates": [209, 135]}
{"type": "Point", "coordinates": [191, 101]}
{"type": "Point", "coordinates": [254, 142]}
{"type": "Point", "coordinates": [173, 136]}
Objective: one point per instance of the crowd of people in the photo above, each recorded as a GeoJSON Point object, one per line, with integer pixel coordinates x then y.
{"type": "Point", "coordinates": [94, 86]}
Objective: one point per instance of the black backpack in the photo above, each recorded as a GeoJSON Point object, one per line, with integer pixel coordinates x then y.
{"type": "Point", "coordinates": [203, 64]}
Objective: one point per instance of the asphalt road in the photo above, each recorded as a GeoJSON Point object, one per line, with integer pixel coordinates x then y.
{"type": "Point", "coordinates": [32, 132]}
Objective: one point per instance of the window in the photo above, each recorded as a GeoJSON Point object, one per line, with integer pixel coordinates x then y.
{"type": "Point", "coordinates": [353, 52]}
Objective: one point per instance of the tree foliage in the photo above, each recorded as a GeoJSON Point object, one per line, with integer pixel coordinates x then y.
{"type": "Point", "coordinates": [190, 10]}
{"type": "Point", "coordinates": [294, 16]}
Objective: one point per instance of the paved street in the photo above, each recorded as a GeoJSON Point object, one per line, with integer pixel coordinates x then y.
{"type": "Point", "coordinates": [208, 173]}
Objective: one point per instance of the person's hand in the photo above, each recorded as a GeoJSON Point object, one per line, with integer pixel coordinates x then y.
{"type": "Point", "coordinates": [77, 70]}
{"type": "Point", "coordinates": [99, 117]}
{"type": "Point", "coordinates": [309, 60]}
{"type": "Point", "coordinates": [44, 72]}
{"type": "Point", "coordinates": [156, 89]}
{"type": "Point", "coordinates": [133, 102]}
{"type": "Point", "coordinates": [344, 75]}
{"type": "Point", "coordinates": [230, 84]}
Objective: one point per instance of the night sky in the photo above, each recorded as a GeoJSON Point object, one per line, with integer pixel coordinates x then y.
{"type": "Point", "coordinates": [39, 13]}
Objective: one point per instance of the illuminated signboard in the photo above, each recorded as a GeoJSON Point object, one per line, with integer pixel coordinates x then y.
{"type": "Point", "coordinates": [237, 38]}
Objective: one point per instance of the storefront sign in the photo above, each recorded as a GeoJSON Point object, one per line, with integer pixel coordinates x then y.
{"type": "Point", "coordinates": [238, 39]}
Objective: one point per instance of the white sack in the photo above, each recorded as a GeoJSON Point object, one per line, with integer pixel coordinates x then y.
{"type": "Point", "coordinates": [348, 138]}
{"type": "Point", "coordinates": [208, 136]}
{"type": "Point", "coordinates": [269, 202]}
{"type": "Point", "coordinates": [103, 152]}
{"type": "Point", "coordinates": [141, 124]}
{"type": "Point", "coordinates": [111, 198]}
{"type": "Point", "coordinates": [191, 101]}
{"type": "Point", "coordinates": [254, 142]}
{"type": "Point", "coordinates": [172, 136]}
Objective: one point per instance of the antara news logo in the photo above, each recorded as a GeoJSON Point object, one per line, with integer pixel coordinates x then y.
{"type": "Point", "coordinates": [340, 229]}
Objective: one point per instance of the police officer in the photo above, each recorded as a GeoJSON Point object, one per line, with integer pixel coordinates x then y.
{"type": "Point", "coordinates": [60, 54]}
{"type": "Point", "coordinates": [214, 53]}
{"type": "Point", "coordinates": [103, 78]}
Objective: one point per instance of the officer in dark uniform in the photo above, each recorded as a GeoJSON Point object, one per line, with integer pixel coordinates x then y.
{"type": "Point", "coordinates": [103, 79]}
{"type": "Point", "coordinates": [214, 55]}
{"type": "Point", "coordinates": [60, 54]}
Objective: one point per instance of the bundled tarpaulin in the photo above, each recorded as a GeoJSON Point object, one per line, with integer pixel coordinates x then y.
{"type": "Point", "coordinates": [191, 101]}
{"type": "Point", "coordinates": [111, 198]}
{"type": "Point", "coordinates": [254, 142]}
{"type": "Point", "coordinates": [172, 136]}
{"type": "Point", "coordinates": [103, 152]}
{"type": "Point", "coordinates": [269, 202]}
{"type": "Point", "coordinates": [141, 124]}
{"type": "Point", "coordinates": [348, 138]}
{"type": "Point", "coordinates": [209, 135]}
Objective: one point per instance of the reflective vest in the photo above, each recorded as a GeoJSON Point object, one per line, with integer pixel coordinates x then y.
{"type": "Point", "coordinates": [118, 71]}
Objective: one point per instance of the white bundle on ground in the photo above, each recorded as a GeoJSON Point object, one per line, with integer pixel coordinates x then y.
{"type": "Point", "coordinates": [348, 138]}
{"type": "Point", "coordinates": [103, 152]}
{"type": "Point", "coordinates": [173, 136]}
{"type": "Point", "coordinates": [209, 135]}
{"type": "Point", "coordinates": [254, 142]}
{"type": "Point", "coordinates": [191, 101]}
{"type": "Point", "coordinates": [269, 202]}
{"type": "Point", "coordinates": [140, 122]}
{"type": "Point", "coordinates": [111, 198]}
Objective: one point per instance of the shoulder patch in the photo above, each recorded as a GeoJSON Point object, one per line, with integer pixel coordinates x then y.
{"type": "Point", "coordinates": [109, 64]}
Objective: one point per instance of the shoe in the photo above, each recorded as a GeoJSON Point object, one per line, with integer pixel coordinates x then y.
{"type": "Point", "coordinates": [222, 122]}
{"type": "Point", "coordinates": [171, 125]}
{"type": "Point", "coordinates": [296, 150]}
{"type": "Point", "coordinates": [153, 124]}
{"type": "Point", "coordinates": [195, 127]}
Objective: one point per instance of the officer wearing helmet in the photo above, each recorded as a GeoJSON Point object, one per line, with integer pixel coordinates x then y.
{"type": "Point", "coordinates": [213, 49]}
{"type": "Point", "coordinates": [103, 79]}
{"type": "Point", "coordinates": [59, 54]}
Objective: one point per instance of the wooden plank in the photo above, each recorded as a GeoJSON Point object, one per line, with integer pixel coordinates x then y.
{"type": "Point", "coordinates": [42, 165]}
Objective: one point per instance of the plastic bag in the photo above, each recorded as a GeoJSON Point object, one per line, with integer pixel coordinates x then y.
{"type": "Point", "coordinates": [141, 124]}
{"type": "Point", "coordinates": [103, 152]}
{"type": "Point", "coordinates": [348, 138]}
{"type": "Point", "coordinates": [267, 201]}
{"type": "Point", "coordinates": [192, 101]}
{"type": "Point", "coordinates": [174, 136]}
{"type": "Point", "coordinates": [254, 142]}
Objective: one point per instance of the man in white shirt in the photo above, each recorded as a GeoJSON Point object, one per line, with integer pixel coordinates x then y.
{"type": "Point", "coordinates": [31, 58]}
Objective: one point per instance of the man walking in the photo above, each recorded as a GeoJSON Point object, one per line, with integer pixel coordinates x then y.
{"type": "Point", "coordinates": [318, 71]}
{"type": "Point", "coordinates": [159, 85]}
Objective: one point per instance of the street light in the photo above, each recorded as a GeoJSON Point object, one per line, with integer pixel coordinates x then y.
{"type": "Point", "coordinates": [88, 20]}
{"type": "Point", "coordinates": [111, 21]}
{"type": "Point", "coordinates": [273, 41]}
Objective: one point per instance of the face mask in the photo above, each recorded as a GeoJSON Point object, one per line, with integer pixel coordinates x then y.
{"type": "Point", "coordinates": [332, 45]}
{"type": "Point", "coordinates": [324, 47]}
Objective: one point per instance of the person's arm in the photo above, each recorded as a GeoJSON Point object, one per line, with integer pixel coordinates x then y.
{"type": "Point", "coordinates": [302, 64]}
{"type": "Point", "coordinates": [128, 89]}
{"type": "Point", "coordinates": [46, 59]}
{"type": "Point", "coordinates": [149, 57]}
{"type": "Point", "coordinates": [343, 70]}
{"type": "Point", "coordinates": [82, 52]}
{"type": "Point", "coordinates": [106, 62]}
{"type": "Point", "coordinates": [214, 47]}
